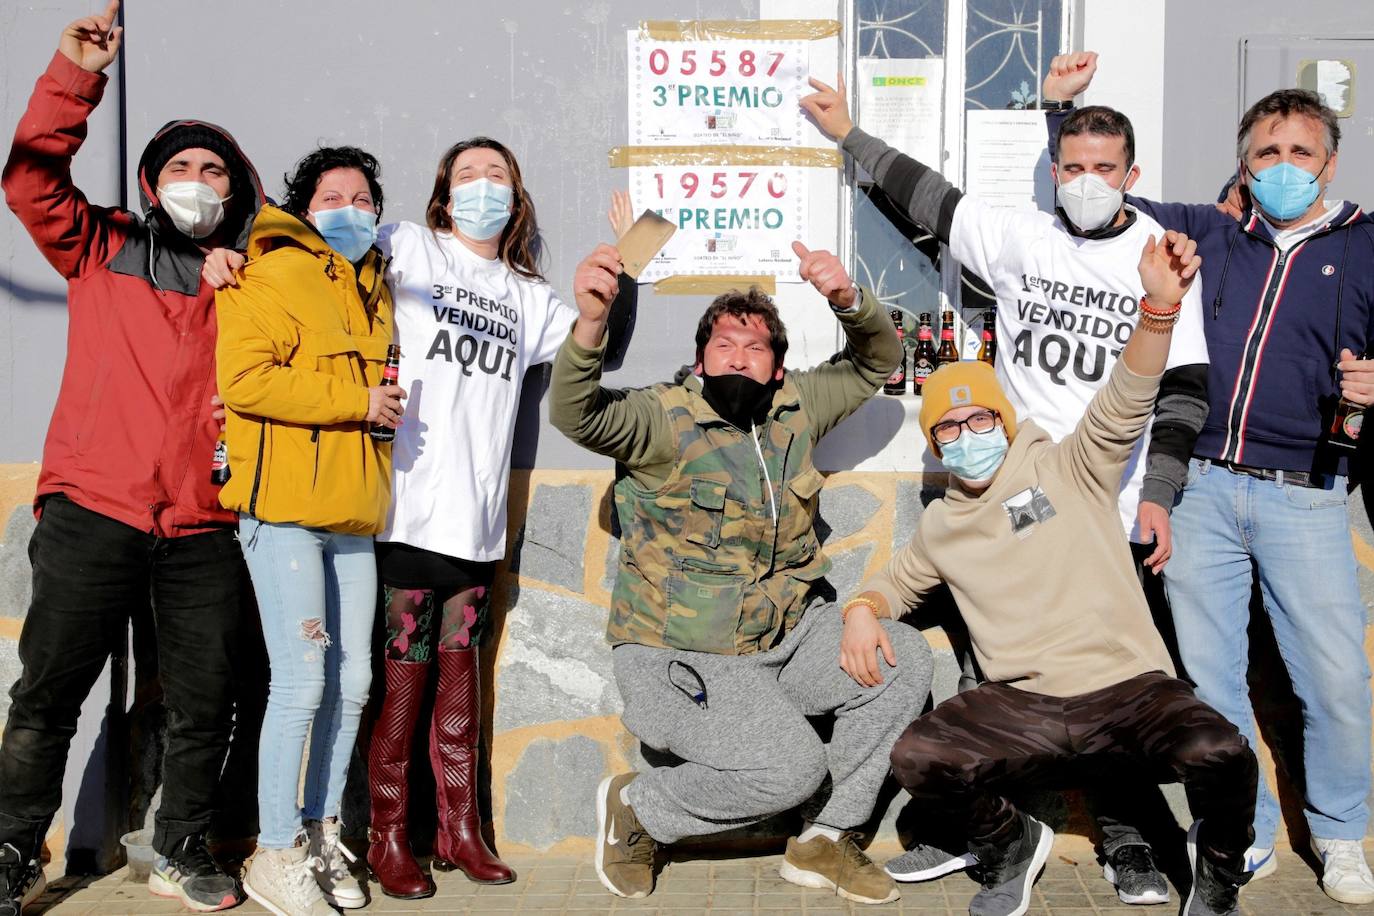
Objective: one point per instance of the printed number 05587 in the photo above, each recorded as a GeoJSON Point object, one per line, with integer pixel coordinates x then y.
{"type": "Point", "coordinates": [746, 63]}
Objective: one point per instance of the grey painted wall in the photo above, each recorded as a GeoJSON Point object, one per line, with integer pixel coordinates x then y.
{"type": "Point", "coordinates": [1201, 83]}
{"type": "Point", "coordinates": [403, 80]}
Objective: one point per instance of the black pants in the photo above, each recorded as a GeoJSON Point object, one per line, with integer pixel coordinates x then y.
{"type": "Point", "coordinates": [959, 758]}
{"type": "Point", "coordinates": [90, 574]}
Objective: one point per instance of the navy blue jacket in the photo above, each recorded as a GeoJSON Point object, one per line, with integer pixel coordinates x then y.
{"type": "Point", "coordinates": [1275, 324]}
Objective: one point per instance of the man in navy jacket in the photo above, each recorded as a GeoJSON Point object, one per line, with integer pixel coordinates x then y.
{"type": "Point", "coordinates": [1288, 294]}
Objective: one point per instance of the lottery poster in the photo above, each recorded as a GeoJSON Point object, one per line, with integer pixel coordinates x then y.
{"type": "Point", "coordinates": [729, 91]}
{"type": "Point", "coordinates": [731, 219]}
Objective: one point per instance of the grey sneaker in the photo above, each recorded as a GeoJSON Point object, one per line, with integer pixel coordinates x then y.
{"type": "Point", "coordinates": [191, 875]}
{"type": "Point", "coordinates": [1009, 874]}
{"type": "Point", "coordinates": [1215, 891]}
{"type": "Point", "coordinates": [21, 880]}
{"type": "Point", "coordinates": [335, 880]}
{"type": "Point", "coordinates": [283, 881]}
{"type": "Point", "coordinates": [928, 861]}
{"type": "Point", "coordinates": [1131, 868]}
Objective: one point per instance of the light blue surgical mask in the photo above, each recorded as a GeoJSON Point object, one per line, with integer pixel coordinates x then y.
{"type": "Point", "coordinates": [480, 209]}
{"type": "Point", "coordinates": [349, 230]}
{"type": "Point", "coordinates": [975, 457]}
{"type": "Point", "coordinates": [1284, 190]}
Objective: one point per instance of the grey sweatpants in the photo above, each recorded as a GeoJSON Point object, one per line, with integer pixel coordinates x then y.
{"type": "Point", "coordinates": [748, 750]}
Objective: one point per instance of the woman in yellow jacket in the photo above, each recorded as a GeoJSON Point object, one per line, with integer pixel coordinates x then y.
{"type": "Point", "coordinates": [302, 342]}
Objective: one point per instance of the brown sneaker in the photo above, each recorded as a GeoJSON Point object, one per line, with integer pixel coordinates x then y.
{"type": "Point", "coordinates": [624, 850]}
{"type": "Point", "coordinates": [825, 863]}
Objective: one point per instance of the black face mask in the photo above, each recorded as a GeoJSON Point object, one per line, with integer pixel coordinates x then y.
{"type": "Point", "coordinates": [740, 401]}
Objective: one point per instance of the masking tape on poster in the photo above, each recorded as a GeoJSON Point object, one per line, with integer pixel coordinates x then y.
{"type": "Point", "coordinates": [806, 156]}
{"type": "Point", "coordinates": [716, 29]}
{"type": "Point", "coordinates": [685, 285]}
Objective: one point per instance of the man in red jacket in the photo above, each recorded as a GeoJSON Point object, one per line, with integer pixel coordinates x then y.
{"type": "Point", "coordinates": [127, 514]}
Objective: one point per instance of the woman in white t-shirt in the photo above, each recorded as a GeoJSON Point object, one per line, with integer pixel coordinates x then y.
{"type": "Point", "coordinates": [473, 313]}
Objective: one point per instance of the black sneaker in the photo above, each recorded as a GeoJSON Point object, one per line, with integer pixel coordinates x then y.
{"type": "Point", "coordinates": [1215, 890]}
{"type": "Point", "coordinates": [191, 875]}
{"type": "Point", "coordinates": [1009, 873]}
{"type": "Point", "coordinates": [21, 880]}
{"type": "Point", "coordinates": [1131, 868]}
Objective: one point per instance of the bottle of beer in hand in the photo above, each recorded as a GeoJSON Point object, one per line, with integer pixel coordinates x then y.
{"type": "Point", "coordinates": [391, 372]}
{"type": "Point", "coordinates": [948, 352]}
{"type": "Point", "coordinates": [219, 464]}
{"type": "Point", "coordinates": [924, 360]}
{"type": "Point", "coordinates": [1345, 425]}
{"type": "Point", "coordinates": [896, 382]}
{"type": "Point", "coordinates": [987, 353]}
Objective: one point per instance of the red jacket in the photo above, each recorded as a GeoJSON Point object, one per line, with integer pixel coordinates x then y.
{"type": "Point", "coordinates": [131, 436]}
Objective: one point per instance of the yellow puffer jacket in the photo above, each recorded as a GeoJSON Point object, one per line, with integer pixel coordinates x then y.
{"type": "Point", "coordinates": [300, 341]}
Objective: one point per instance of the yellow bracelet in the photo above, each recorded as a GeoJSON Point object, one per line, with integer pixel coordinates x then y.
{"type": "Point", "coordinates": [860, 600]}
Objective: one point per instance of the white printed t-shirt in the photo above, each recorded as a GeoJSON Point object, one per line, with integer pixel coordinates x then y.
{"type": "Point", "coordinates": [1065, 308]}
{"type": "Point", "coordinates": [468, 330]}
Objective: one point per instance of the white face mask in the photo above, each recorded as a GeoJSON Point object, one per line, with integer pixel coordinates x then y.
{"type": "Point", "coordinates": [192, 206]}
{"type": "Point", "coordinates": [1089, 202]}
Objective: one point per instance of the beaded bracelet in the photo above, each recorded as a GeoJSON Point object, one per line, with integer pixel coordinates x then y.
{"type": "Point", "coordinates": [860, 600]}
{"type": "Point", "coordinates": [1159, 314]}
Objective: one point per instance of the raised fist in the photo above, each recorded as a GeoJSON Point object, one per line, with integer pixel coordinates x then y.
{"type": "Point", "coordinates": [1069, 75]}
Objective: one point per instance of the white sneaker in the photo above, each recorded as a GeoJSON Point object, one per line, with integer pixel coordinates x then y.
{"type": "Point", "coordinates": [1345, 873]}
{"type": "Point", "coordinates": [283, 881]}
{"type": "Point", "coordinates": [332, 874]}
{"type": "Point", "coordinates": [1261, 862]}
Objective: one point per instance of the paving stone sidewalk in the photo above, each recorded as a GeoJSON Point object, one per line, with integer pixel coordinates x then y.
{"type": "Point", "coordinates": [742, 885]}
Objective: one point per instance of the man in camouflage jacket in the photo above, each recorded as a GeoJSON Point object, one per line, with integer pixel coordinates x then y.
{"type": "Point", "coordinates": [725, 634]}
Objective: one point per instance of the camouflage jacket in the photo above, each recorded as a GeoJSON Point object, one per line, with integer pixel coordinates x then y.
{"type": "Point", "coordinates": [705, 563]}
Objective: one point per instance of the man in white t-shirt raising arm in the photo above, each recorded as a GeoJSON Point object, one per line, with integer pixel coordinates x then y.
{"type": "Point", "coordinates": [1068, 294]}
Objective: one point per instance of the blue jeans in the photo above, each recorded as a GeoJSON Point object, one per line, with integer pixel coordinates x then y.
{"type": "Point", "coordinates": [317, 594]}
{"type": "Point", "coordinates": [1298, 538]}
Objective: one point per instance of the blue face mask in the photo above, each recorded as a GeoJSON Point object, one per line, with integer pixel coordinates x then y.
{"type": "Point", "coordinates": [348, 230]}
{"type": "Point", "coordinates": [975, 457]}
{"type": "Point", "coordinates": [480, 209]}
{"type": "Point", "coordinates": [1284, 190]}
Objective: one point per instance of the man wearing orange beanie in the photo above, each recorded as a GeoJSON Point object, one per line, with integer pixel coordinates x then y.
{"type": "Point", "coordinates": [1030, 543]}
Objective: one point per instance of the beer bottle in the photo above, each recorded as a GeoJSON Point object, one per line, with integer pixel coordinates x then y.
{"type": "Point", "coordinates": [987, 353]}
{"type": "Point", "coordinates": [948, 352]}
{"type": "Point", "coordinates": [896, 382]}
{"type": "Point", "coordinates": [1345, 425]}
{"type": "Point", "coordinates": [219, 464]}
{"type": "Point", "coordinates": [390, 373]}
{"type": "Point", "coordinates": [924, 360]}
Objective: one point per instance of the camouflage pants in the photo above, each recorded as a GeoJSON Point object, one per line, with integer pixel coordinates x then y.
{"type": "Point", "coordinates": [961, 756]}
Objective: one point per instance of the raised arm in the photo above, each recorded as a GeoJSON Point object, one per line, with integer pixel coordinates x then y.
{"type": "Point", "coordinates": [72, 234]}
{"type": "Point", "coordinates": [1069, 76]}
{"type": "Point", "coordinates": [628, 426]}
{"type": "Point", "coordinates": [1095, 453]}
{"type": "Point", "coordinates": [925, 194]}
{"type": "Point", "coordinates": [835, 389]}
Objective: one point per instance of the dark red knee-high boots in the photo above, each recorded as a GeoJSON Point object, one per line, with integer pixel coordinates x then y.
{"type": "Point", "coordinates": [388, 760]}
{"type": "Point", "coordinates": [453, 753]}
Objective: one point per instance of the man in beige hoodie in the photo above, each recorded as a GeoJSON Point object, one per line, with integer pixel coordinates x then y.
{"type": "Point", "coordinates": [1030, 543]}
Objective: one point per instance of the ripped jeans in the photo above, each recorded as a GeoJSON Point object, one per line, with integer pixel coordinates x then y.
{"type": "Point", "coordinates": [317, 595]}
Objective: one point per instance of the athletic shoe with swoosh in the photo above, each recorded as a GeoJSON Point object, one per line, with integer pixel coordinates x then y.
{"type": "Point", "coordinates": [624, 849]}
{"type": "Point", "coordinates": [1261, 862]}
